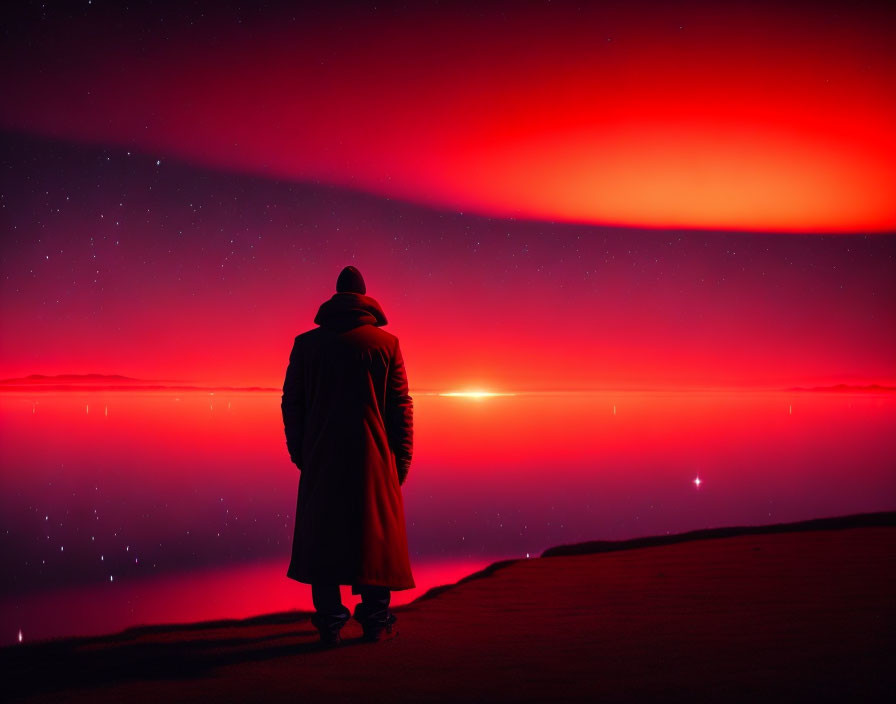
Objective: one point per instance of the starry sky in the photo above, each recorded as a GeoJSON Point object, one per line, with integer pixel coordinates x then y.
{"type": "Point", "coordinates": [541, 196]}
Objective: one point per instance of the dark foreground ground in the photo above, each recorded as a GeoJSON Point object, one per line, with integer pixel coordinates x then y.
{"type": "Point", "coordinates": [799, 612]}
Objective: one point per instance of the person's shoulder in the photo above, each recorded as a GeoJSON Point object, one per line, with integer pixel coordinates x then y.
{"type": "Point", "coordinates": [377, 338]}
{"type": "Point", "coordinates": [387, 337]}
{"type": "Point", "coordinates": [304, 337]}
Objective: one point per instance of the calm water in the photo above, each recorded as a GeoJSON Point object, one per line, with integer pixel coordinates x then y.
{"type": "Point", "coordinates": [121, 508]}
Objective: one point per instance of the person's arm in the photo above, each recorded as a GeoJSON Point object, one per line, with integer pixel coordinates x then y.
{"type": "Point", "coordinates": [292, 405]}
{"type": "Point", "coordinates": [399, 415]}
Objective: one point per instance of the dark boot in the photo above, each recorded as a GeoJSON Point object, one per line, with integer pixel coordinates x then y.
{"type": "Point", "coordinates": [329, 625]}
{"type": "Point", "coordinates": [378, 623]}
{"type": "Point", "coordinates": [330, 614]}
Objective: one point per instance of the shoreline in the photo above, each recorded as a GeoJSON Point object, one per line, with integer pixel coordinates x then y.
{"type": "Point", "coordinates": [871, 519]}
{"type": "Point", "coordinates": [800, 610]}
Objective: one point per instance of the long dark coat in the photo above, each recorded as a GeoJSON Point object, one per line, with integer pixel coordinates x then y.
{"type": "Point", "coordinates": [349, 429]}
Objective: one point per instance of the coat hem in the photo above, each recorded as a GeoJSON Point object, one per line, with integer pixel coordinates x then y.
{"type": "Point", "coordinates": [354, 583]}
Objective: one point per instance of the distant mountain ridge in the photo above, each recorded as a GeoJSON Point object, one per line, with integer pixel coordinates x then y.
{"type": "Point", "coordinates": [72, 377]}
{"type": "Point", "coordinates": [100, 382]}
{"type": "Point", "coordinates": [845, 387]}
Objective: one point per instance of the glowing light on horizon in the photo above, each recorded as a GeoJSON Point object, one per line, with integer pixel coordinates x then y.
{"type": "Point", "coordinates": [698, 482]}
{"type": "Point", "coordinates": [20, 635]}
{"type": "Point", "coordinates": [475, 393]}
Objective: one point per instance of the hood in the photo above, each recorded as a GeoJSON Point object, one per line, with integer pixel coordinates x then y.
{"type": "Point", "coordinates": [349, 310]}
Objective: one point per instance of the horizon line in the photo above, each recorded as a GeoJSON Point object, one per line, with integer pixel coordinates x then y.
{"type": "Point", "coordinates": [95, 382]}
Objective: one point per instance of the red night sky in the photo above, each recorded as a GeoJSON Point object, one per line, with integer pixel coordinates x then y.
{"type": "Point", "coordinates": [540, 196]}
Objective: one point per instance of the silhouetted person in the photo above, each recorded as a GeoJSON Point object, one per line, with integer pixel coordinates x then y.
{"type": "Point", "coordinates": [349, 429]}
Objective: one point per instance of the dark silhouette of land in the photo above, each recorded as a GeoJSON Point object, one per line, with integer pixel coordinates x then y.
{"type": "Point", "coordinates": [108, 382]}
{"type": "Point", "coordinates": [791, 612]}
{"type": "Point", "coordinates": [848, 388]}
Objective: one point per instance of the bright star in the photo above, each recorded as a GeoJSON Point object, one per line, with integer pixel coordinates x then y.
{"type": "Point", "coordinates": [698, 482]}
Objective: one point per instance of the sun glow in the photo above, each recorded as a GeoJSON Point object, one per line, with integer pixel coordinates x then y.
{"type": "Point", "coordinates": [475, 393]}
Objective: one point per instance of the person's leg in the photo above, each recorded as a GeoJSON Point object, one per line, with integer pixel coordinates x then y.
{"type": "Point", "coordinates": [373, 612]}
{"type": "Point", "coordinates": [330, 615]}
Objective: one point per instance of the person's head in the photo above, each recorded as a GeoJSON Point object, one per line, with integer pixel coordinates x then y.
{"type": "Point", "coordinates": [350, 281]}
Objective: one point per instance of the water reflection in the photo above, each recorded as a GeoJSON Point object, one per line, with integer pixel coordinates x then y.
{"type": "Point", "coordinates": [169, 507]}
